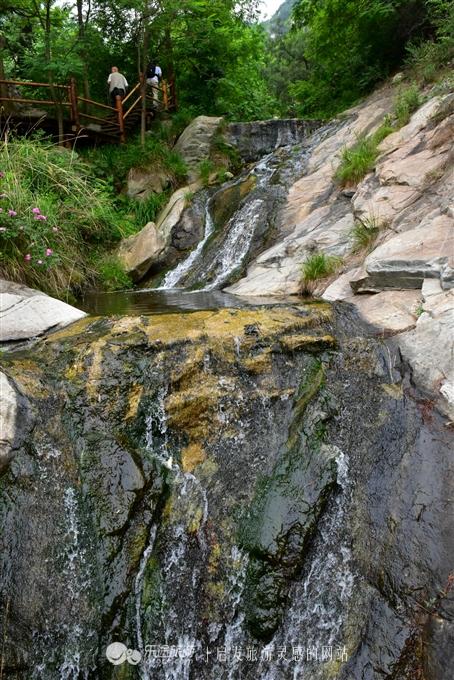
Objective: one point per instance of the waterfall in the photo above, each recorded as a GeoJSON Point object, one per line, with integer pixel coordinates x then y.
{"type": "Point", "coordinates": [240, 231]}
{"type": "Point", "coordinates": [74, 574]}
{"type": "Point", "coordinates": [66, 644]}
{"type": "Point", "coordinates": [210, 268]}
{"type": "Point", "coordinates": [187, 492]}
{"type": "Point", "coordinates": [174, 276]}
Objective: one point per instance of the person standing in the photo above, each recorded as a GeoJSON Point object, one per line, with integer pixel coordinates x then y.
{"type": "Point", "coordinates": [154, 75]}
{"type": "Point", "coordinates": [117, 85]}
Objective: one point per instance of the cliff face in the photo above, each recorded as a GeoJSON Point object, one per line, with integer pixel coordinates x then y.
{"type": "Point", "coordinates": [242, 479]}
{"type": "Point", "coordinates": [403, 282]}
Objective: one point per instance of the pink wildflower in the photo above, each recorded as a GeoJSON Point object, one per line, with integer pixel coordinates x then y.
{"type": "Point", "coordinates": [49, 252]}
{"type": "Point", "coordinates": [2, 174]}
{"type": "Point", "coordinates": [27, 257]}
{"type": "Point", "coordinates": [36, 211]}
{"type": "Point", "coordinates": [12, 213]}
{"type": "Point", "coordinates": [41, 218]}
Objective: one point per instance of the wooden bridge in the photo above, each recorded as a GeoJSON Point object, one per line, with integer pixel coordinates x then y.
{"type": "Point", "coordinates": [61, 111]}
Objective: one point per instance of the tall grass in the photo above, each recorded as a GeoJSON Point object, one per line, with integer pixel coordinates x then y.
{"type": "Point", "coordinates": [407, 101]}
{"type": "Point", "coordinates": [365, 232]}
{"type": "Point", "coordinates": [359, 159]}
{"type": "Point", "coordinates": [53, 216]}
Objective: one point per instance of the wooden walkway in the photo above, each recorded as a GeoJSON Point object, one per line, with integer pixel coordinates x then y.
{"type": "Point", "coordinates": [61, 111]}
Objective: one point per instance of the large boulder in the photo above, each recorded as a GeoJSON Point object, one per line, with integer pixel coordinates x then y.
{"type": "Point", "coordinates": [139, 252]}
{"type": "Point", "coordinates": [26, 313]}
{"type": "Point", "coordinates": [194, 144]}
{"type": "Point", "coordinates": [152, 246]}
{"type": "Point", "coordinates": [406, 259]}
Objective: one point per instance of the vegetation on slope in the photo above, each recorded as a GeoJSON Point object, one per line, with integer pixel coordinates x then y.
{"type": "Point", "coordinates": [337, 50]}
{"type": "Point", "coordinates": [56, 220]}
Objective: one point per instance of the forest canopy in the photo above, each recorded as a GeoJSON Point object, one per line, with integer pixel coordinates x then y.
{"type": "Point", "coordinates": [321, 58]}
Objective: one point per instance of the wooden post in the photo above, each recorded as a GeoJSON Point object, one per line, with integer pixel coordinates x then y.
{"type": "Point", "coordinates": [74, 104]}
{"type": "Point", "coordinates": [121, 123]}
{"type": "Point", "coordinates": [165, 96]}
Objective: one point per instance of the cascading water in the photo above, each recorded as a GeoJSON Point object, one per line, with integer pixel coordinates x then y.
{"type": "Point", "coordinates": [173, 277]}
{"type": "Point", "coordinates": [211, 268]}
{"type": "Point", "coordinates": [190, 502]}
{"type": "Point", "coordinates": [66, 647]}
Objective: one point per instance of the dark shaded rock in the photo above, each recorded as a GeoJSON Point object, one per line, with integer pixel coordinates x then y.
{"type": "Point", "coordinates": [439, 639]}
{"type": "Point", "coordinates": [285, 511]}
{"type": "Point", "coordinates": [255, 140]}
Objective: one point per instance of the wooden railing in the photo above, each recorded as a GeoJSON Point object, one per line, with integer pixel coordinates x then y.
{"type": "Point", "coordinates": [70, 108]}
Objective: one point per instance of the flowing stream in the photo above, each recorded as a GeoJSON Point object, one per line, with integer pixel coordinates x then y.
{"type": "Point", "coordinates": [211, 266]}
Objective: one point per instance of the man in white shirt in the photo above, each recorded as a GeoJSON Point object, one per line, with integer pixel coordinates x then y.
{"type": "Point", "coordinates": [154, 74]}
{"type": "Point", "coordinates": [117, 85]}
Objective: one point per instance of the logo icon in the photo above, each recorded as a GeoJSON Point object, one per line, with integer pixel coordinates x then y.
{"type": "Point", "coordinates": [117, 653]}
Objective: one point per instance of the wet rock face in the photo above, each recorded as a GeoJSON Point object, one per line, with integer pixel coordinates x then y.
{"type": "Point", "coordinates": [225, 479]}
{"type": "Point", "coordinates": [81, 498]}
{"type": "Point", "coordinates": [283, 516]}
{"type": "Point", "coordinates": [255, 140]}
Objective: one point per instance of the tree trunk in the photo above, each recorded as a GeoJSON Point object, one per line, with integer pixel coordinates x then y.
{"type": "Point", "coordinates": [143, 76]}
{"type": "Point", "coordinates": [53, 91]}
{"type": "Point", "coordinates": [3, 88]}
{"type": "Point", "coordinates": [81, 31]}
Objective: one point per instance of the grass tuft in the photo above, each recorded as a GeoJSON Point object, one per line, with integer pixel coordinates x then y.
{"type": "Point", "coordinates": [365, 233]}
{"type": "Point", "coordinates": [318, 266]}
{"type": "Point", "coordinates": [206, 167]}
{"type": "Point", "coordinates": [356, 161]}
{"type": "Point", "coordinates": [407, 101]}
{"type": "Point", "coordinates": [113, 275]}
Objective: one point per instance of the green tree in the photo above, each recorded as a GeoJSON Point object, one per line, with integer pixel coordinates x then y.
{"type": "Point", "coordinates": [349, 45]}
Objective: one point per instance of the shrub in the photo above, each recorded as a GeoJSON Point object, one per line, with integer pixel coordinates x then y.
{"type": "Point", "coordinates": [317, 266]}
{"type": "Point", "coordinates": [407, 101]}
{"type": "Point", "coordinates": [427, 59]}
{"type": "Point", "coordinates": [115, 161]}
